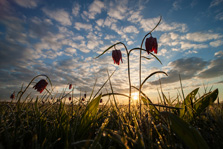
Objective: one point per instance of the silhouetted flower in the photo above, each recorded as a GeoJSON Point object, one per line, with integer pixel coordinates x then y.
{"type": "Point", "coordinates": [151, 45]}
{"type": "Point", "coordinates": [70, 86]}
{"type": "Point", "coordinates": [85, 95]}
{"type": "Point", "coordinates": [117, 56]}
{"type": "Point", "coordinates": [40, 86]}
{"type": "Point", "coordinates": [100, 100]}
{"type": "Point", "coordinates": [82, 99]}
{"type": "Point", "coordinates": [12, 95]}
{"type": "Point", "coordinates": [70, 98]}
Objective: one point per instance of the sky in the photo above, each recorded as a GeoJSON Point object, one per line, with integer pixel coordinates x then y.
{"type": "Point", "coordinates": [62, 38]}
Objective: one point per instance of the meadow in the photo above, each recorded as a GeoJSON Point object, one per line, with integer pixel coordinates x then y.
{"type": "Point", "coordinates": [194, 123]}
{"type": "Point", "coordinates": [64, 121]}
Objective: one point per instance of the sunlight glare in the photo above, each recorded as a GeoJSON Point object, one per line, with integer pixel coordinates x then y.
{"type": "Point", "coordinates": [135, 96]}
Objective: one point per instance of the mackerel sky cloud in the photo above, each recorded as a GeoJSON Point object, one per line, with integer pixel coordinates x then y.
{"type": "Point", "coordinates": [62, 38]}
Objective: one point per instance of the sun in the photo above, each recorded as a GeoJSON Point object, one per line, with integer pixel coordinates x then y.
{"type": "Point", "coordinates": [135, 96]}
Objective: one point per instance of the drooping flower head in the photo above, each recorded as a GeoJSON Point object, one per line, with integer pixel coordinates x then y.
{"type": "Point", "coordinates": [82, 99]}
{"type": "Point", "coordinates": [12, 95]}
{"type": "Point", "coordinates": [69, 98]}
{"type": "Point", "coordinates": [151, 45]}
{"type": "Point", "coordinates": [100, 100]}
{"type": "Point", "coordinates": [70, 86]}
{"type": "Point", "coordinates": [117, 56]}
{"type": "Point", "coordinates": [40, 86]}
{"type": "Point", "coordinates": [85, 95]}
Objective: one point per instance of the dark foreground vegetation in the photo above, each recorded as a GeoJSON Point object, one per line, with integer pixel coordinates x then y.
{"type": "Point", "coordinates": [90, 125]}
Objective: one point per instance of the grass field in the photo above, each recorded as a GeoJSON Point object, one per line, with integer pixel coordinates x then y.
{"type": "Point", "coordinates": [34, 124]}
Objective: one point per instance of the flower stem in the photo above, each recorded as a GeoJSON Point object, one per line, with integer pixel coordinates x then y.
{"type": "Point", "coordinates": [130, 90]}
{"type": "Point", "coordinates": [140, 61]}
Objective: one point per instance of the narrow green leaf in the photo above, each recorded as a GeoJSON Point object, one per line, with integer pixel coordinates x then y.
{"type": "Point", "coordinates": [152, 75]}
{"type": "Point", "coordinates": [89, 115]}
{"type": "Point", "coordinates": [188, 102]}
{"type": "Point", "coordinates": [104, 84]}
{"type": "Point", "coordinates": [156, 58]}
{"type": "Point", "coordinates": [146, 57]}
{"type": "Point", "coordinates": [109, 94]}
{"type": "Point", "coordinates": [190, 97]}
{"type": "Point", "coordinates": [190, 136]}
{"type": "Point", "coordinates": [204, 101]}
{"type": "Point", "coordinates": [166, 99]}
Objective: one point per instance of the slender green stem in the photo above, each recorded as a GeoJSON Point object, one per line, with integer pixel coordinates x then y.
{"type": "Point", "coordinates": [140, 61]}
{"type": "Point", "coordinates": [130, 90]}
{"type": "Point", "coordinates": [136, 49]}
{"type": "Point", "coordinates": [128, 53]}
{"type": "Point", "coordinates": [112, 93]}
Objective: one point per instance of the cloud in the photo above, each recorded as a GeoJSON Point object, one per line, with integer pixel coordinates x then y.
{"type": "Point", "coordinates": [108, 37]}
{"type": "Point", "coordinates": [52, 41]}
{"type": "Point", "coordinates": [76, 9]}
{"type": "Point", "coordinates": [93, 40]}
{"type": "Point", "coordinates": [170, 39]}
{"type": "Point", "coordinates": [188, 45]}
{"type": "Point", "coordinates": [163, 52]}
{"type": "Point", "coordinates": [13, 55]}
{"type": "Point", "coordinates": [186, 67]}
{"type": "Point", "coordinates": [219, 16]}
{"type": "Point", "coordinates": [92, 44]}
{"type": "Point", "coordinates": [94, 9]}
{"type": "Point", "coordinates": [130, 42]}
{"type": "Point", "coordinates": [109, 21]}
{"type": "Point", "coordinates": [27, 3]}
{"type": "Point", "coordinates": [67, 64]}
{"type": "Point", "coordinates": [219, 54]}
{"type": "Point", "coordinates": [130, 29]}
{"type": "Point", "coordinates": [82, 47]}
{"type": "Point", "coordinates": [216, 43]}
{"type": "Point", "coordinates": [202, 37]}
{"type": "Point", "coordinates": [79, 26]}
{"type": "Point", "coordinates": [78, 38]}
{"type": "Point", "coordinates": [39, 27]}
{"type": "Point", "coordinates": [149, 24]}
{"type": "Point", "coordinates": [189, 40]}
{"type": "Point", "coordinates": [135, 16]}
{"type": "Point", "coordinates": [100, 22]}
{"type": "Point", "coordinates": [215, 3]}
{"type": "Point", "coordinates": [60, 15]}
{"type": "Point", "coordinates": [213, 70]}
{"type": "Point", "coordinates": [118, 9]}
{"type": "Point", "coordinates": [176, 4]}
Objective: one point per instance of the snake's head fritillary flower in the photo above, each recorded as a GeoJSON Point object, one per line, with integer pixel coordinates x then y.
{"type": "Point", "coordinates": [70, 86]}
{"type": "Point", "coordinates": [69, 98]}
{"type": "Point", "coordinates": [12, 96]}
{"type": "Point", "coordinates": [40, 86]}
{"type": "Point", "coordinates": [117, 56]}
{"type": "Point", "coordinates": [100, 100]}
{"type": "Point", "coordinates": [85, 95]}
{"type": "Point", "coordinates": [82, 99]}
{"type": "Point", "coordinates": [151, 45]}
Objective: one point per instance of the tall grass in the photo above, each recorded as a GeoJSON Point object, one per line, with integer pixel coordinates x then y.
{"type": "Point", "coordinates": [194, 123]}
